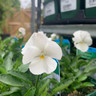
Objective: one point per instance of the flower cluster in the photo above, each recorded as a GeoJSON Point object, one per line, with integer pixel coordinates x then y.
{"type": "Point", "coordinates": [39, 51]}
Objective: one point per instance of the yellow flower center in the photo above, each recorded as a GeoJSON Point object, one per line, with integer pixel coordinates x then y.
{"type": "Point", "coordinates": [81, 42]}
{"type": "Point", "coordinates": [42, 57]}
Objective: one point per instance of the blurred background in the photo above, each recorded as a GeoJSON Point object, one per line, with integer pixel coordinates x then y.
{"type": "Point", "coordinates": [15, 14]}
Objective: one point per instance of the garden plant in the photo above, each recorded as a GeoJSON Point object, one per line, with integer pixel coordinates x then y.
{"type": "Point", "coordinates": [25, 68]}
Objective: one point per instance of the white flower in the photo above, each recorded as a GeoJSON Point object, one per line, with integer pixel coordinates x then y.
{"type": "Point", "coordinates": [22, 31]}
{"type": "Point", "coordinates": [49, 39]}
{"type": "Point", "coordinates": [82, 40]}
{"type": "Point", "coordinates": [54, 36]}
{"type": "Point", "coordinates": [39, 51]}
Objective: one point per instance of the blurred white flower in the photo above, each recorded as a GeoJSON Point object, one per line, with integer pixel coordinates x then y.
{"type": "Point", "coordinates": [39, 52]}
{"type": "Point", "coordinates": [82, 40]}
{"type": "Point", "coordinates": [49, 39]}
{"type": "Point", "coordinates": [22, 31]}
{"type": "Point", "coordinates": [54, 36]}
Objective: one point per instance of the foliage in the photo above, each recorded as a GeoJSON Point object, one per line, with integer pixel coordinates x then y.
{"type": "Point", "coordinates": [77, 70]}
{"type": "Point", "coordinates": [16, 79]}
{"type": "Point", "coordinates": [6, 10]}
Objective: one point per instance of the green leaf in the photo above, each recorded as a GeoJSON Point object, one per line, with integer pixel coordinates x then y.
{"type": "Point", "coordinates": [23, 67]}
{"type": "Point", "coordinates": [2, 69]}
{"type": "Point", "coordinates": [2, 54]}
{"type": "Point", "coordinates": [61, 87]}
{"type": "Point", "coordinates": [44, 85]}
{"type": "Point", "coordinates": [66, 63]}
{"type": "Point", "coordinates": [91, 66]}
{"type": "Point", "coordinates": [17, 63]}
{"type": "Point", "coordinates": [76, 85]}
{"type": "Point", "coordinates": [66, 53]}
{"type": "Point", "coordinates": [66, 60]}
{"type": "Point", "coordinates": [78, 73]}
{"type": "Point", "coordinates": [91, 72]}
{"type": "Point", "coordinates": [30, 92]}
{"type": "Point", "coordinates": [10, 80]}
{"type": "Point", "coordinates": [45, 92]}
{"type": "Point", "coordinates": [12, 90]}
{"type": "Point", "coordinates": [75, 62]}
{"type": "Point", "coordinates": [87, 84]}
{"type": "Point", "coordinates": [7, 40]}
{"type": "Point", "coordinates": [82, 78]}
{"type": "Point", "coordinates": [61, 40]}
{"type": "Point", "coordinates": [81, 63]}
{"type": "Point", "coordinates": [20, 75]}
{"type": "Point", "coordinates": [16, 94]}
{"type": "Point", "coordinates": [91, 61]}
{"type": "Point", "coordinates": [1, 60]}
{"type": "Point", "coordinates": [8, 61]}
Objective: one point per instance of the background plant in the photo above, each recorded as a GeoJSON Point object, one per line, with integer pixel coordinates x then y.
{"type": "Point", "coordinates": [75, 71]}
{"type": "Point", "coordinates": [6, 10]}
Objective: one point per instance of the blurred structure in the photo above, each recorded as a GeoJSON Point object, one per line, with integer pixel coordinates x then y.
{"type": "Point", "coordinates": [6, 11]}
{"type": "Point", "coordinates": [20, 18]}
{"type": "Point", "coordinates": [23, 18]}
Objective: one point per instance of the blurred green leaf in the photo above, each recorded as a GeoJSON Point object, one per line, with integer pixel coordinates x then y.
{"type": "Point", "coordinates": [61, 87]}
{"type": "Point", "coordinates": [75, 62]}
{"type": "Point", "coordinates": [87, 84]}
{"type": "Point", "coordinates": [66, 54]}
{"type": "Point", "coordinates": [30, 92]}
{"type": "Point", "coordinates": [2, 69]}
{"type": "Point", "coordinates": [23, 76]}
{"type": "Point", "coordinates": [45, 92]}
{"type": "Point", "coordinates": [23, 67]}
{"type": "Point", "coordinates": [12, 90]}
{"type": "Point", "coordinates": [16, 94]}
{"type": "Point", "coordinates": [10, 80]}
{"type": "Point", "coordinates": [17, 63]}
{"type": "Point", "coordinates": [91, 66]}
{"type": "Point", "coordinates": [44, 84]}
{"type": "Point", "coordinates": [8, 61]}
{"type": "Point", "coordinates": [82, 63]}
{"type": "Point", "coordinates": [82, 78]}
{"type": "Point", "coordinates": [76, 85]}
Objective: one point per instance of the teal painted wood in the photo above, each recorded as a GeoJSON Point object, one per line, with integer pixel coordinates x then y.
{"type": "Point", "coordinates": [90, 8]}
{"type": "Point", "coordinates": [74, 7]}
{"type": "Point", "coordinates": [52, 17]}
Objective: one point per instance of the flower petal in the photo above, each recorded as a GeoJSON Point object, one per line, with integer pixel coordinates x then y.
{"type": "Point", "coordinates": [39, 66]}
{"type": "Point", "coordinates": [77, 36]}
{"type": "Point", "coordinates": [83, 47]}
{"type": "Point", "coordinates": [88, 41]}
{"type": "Point", "coordinates": [29, 43]}
{"type": "Point", "coordinates": [84, 34]}
{"type": "Point", "coordinates": [37, 39]}
{"type": "Point", "coordinates": [77, 39]}
{"type": "Point", "coordinates": [77, 33]}
{"type": "Point", "coordinates": [53, 50]}
{"type": "Point", "coordinates": [40, 40]}
{"type": "Point", "coordinates": [51, 64]}
{"type": "Point", "coordinates": [30, 53]}
{"type": "Point", "coordinates": [81, 33]}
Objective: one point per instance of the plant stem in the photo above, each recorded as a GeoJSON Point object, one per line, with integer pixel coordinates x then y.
{"type": "Point", "coordinates": [36, 85]}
